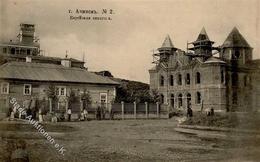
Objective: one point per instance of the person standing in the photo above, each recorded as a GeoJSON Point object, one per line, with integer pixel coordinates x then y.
{"type": "Point", "coordinates": [69, 114]}
{"type": "Point", "coordinates": [98, 113]}
{"type": "Point", "coordinates": [85, 113]}
{"type": "Point", "coordinates": [40, 116]}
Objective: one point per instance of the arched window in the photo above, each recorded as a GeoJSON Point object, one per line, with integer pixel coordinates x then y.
{"type": "Point", "coordinates": [172, 100]}
{"type": "Point", "coordinates": [179, 79]}
{"type": "Point", "coordinates": [198, 98]}
{"type": "Point", "coordinates": [162, 81]}
{"type": "Point", "coordinates": [188, 79]}
{"type": "Point", "coordinates": [162, 99]}
{"type": "Point", "coordinates": [171, 80]}
{"type": "Point", "coordinates": [222, 76]}
{"type": "Point", "coordinates": [234, 78]}
{"type": "Point", "coordinates": [188, 100]}
{"type": "Point", "coordinates": [179, 100]}
{"type": "Point", "coordinates": [198, 78]}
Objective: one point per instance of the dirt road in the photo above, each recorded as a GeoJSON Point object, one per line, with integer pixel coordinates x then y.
{"type": "Point", "coordinates": [129, 140]}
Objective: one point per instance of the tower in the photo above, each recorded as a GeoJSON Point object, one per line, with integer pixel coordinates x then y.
{"type": "Point", "coordinates": [202, 47]}
{"type": "Point", "coordinates": [27, 33]}
{"type": "Point", "coordinates": [235, 49]}
{"type": "Point", "coordinates": [166, 50]}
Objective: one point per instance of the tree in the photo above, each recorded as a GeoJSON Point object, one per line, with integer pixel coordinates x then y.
{"type": "Point", "coordinates": [51, 92]}
{"type": "Point", "coordinates": [2, 60]}
{"type": "Point", "coordinates": [86, 99]}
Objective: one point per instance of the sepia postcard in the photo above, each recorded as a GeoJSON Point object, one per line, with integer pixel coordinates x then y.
{"type": "Point", "coordinates": [129, 80]}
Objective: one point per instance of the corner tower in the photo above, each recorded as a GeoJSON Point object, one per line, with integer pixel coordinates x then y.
{"type": "Point", "coordinates": [166, 49]}
{"type": "Point", "coordinates": [236, 49]}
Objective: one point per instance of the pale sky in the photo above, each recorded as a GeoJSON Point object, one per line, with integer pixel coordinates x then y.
{"type": "Point", "coordinates": [124, 45]}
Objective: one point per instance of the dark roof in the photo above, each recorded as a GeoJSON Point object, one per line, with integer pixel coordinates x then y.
{"type": "Point", "coordinates": [50, 73]}
{"type": "Point", "coordinates": [203, 35]}
{"type": "Point", "coordinates": [167, 43]}
{"type": "Point", "coordinates": [235, 39]}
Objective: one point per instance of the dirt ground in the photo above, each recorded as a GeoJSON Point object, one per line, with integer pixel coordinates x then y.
{"type": "Point", "coordinates": [121, 141]}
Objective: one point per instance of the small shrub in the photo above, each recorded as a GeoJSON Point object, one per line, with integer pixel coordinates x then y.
{"type": "Point", "coordinates": [176, 112]}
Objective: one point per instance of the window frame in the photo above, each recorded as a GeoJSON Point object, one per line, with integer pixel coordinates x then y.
{"type": "Point", "coordinates": [30, 89]}
{"type": "Point", "coordinates": [198, 98]}
{"type": "Point", "coordinates": [58, 89]}
{"type": "Point", "coordinates": [198, 78]}
{"type": "Point", "coordinates": [180, 101]}
{"type": "Point", "coordinates": [171, 80]}
{"type": "Point", "coordinates": [162, 98]}
{"type": "Point", "coordinates": [179, 79]}
{"type": "Point", "coordinates": [4, 50]}
{"type": "Point", "coordinates": [2, 88]}
{"type": "Point", "coordinates": [100, 97]}
{"type": "Point", "coordinates": [187, 79]}
{"type": "Point", "coordinates": [162, 80]}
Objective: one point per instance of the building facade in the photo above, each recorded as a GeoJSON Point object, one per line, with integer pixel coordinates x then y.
{"type": "Point", "coordinates": [28, 76]}
{"type": "Point", "coordinates": [200, 79]}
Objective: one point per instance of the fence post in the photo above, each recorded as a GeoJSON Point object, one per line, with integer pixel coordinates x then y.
{"type": "Point", "coordinates": [67, 105]}
{"type": "Point", "coordinates": [50, 101]}
{"type": "Point", "coordinates": [123, 109]}
{"type": "Point", "coordinates": [157, 109]}
{"type": "Point", "coordinates": [135, 110]}
{"type": "Point", "coordinates": [146, 110]}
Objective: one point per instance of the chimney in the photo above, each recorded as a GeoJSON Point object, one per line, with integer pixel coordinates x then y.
{"type": "Point", "coordinates": [66, 63]}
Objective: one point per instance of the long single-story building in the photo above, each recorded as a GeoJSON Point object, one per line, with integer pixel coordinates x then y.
{"type": "Point", "coordinates": [28, 80]}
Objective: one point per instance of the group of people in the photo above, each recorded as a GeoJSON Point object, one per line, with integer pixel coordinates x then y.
{"type": "Point", "coordinates": [31, 107]}
{"type": "Point", "coordinates": [82, 116]}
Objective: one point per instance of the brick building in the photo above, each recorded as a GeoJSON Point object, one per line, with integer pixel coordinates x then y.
{"type": "Point", "coordinates": [200, 79]}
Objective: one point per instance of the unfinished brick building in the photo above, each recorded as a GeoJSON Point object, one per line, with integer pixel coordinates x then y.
{"type": "Point", "coordinates": [224, 78]}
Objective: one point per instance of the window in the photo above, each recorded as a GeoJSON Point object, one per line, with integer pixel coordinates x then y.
{"type": "Point", "coordinates": [28, 51]}
{"type": "Point", "coordinates": [172, 100]}
{"type": "Point", "coordinates": [162, 98]}
{"type": "Point", "coordinates": [198, 78]}
{"type": "Point", "coordinates": [198, 98]}
{"type": "Point", "coordinates": [237, 54]}
{"type": "Point", "coordinates": [27, 89]}
{"type": "Point", "coordinates": [188, 79]}
{"type": "Point", "coordinates": [5, 88]}
{"type": "Point", "coordinates": [222, 76]}
{"type": "Point", "coordinates": [179, 79]}
{"type": "Point", "coordinates": [4, 50]}
{"type": "Point", "coordinates": [171, 80]}
{"type": "Point", "coordinates": [12, 50]}
{"type": "Point", "coordinates": [188, 100]}
{"type": "Point", "coordinates": [103, 97]}
{"type": "Point", "coordinates": [162, 81]}
{"type": "Point", "coordinates": [60, 91]}
{"type": "Point", "coordinates": [179, 100]}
